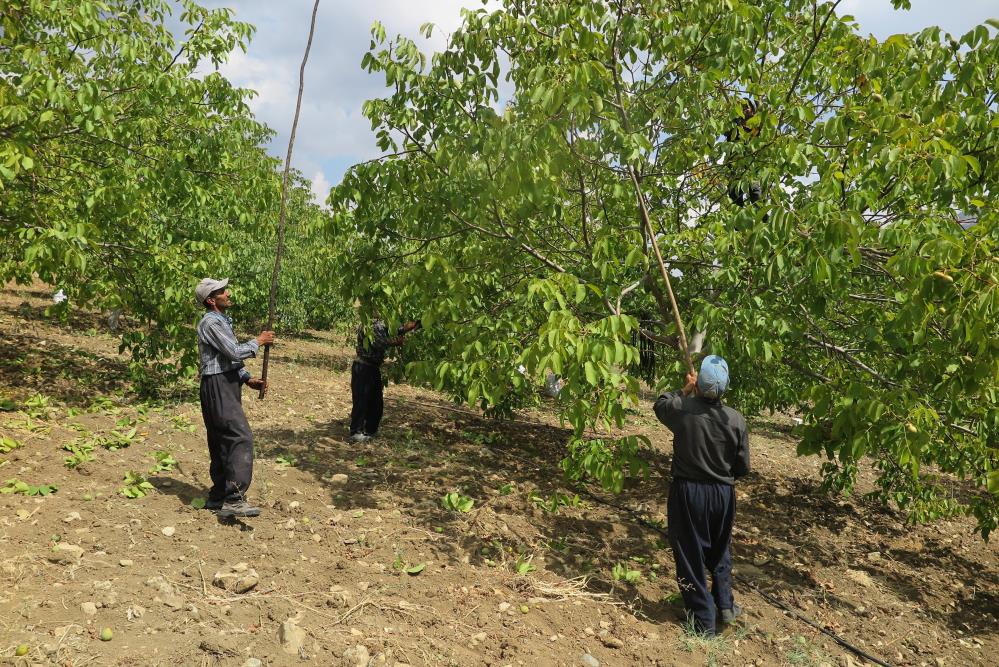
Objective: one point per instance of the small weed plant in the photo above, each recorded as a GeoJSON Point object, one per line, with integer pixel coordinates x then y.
{"type": "Point", "coordinates": [713, 646]}
{"type": "Point", "coordinates": [524, 565]}
{"type": "Point", "coordinates": [105, 405]}
{"type": "Point", "coordinates": [136, 485]}
{"type": "Point", "coordinates": [555, 502]}
{"type": "Point", "coordinates": [621, 572]}
{"type": "Point", "coordinates": [31, 425]}
{"type": "Point", "coordinates": [80, 452]}
{"type": "Point", "coordinates": [404, 566]}
{"type": "Point", "coordinates": [117, 439]}
{"type": "Point", "coordinates": [803, 654]}
{"type": "Point", "coordinates": [164, 461]}
{"type": "Point", "coordinates": [8, 445]}
{"type": "Point", "coordinates": [25, 489]}
{"type": "Point", "coordinates": [456, 502]}
{"type": "Point", "coordinates": [182, 423]}
{"type": "Point", "coordinates": [38, 407]}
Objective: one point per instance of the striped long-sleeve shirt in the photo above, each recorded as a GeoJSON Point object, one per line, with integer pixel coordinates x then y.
{"type": "Point", "coordinates": [371, 347]}
{"type": "Point", "coordinates": [219, 350]}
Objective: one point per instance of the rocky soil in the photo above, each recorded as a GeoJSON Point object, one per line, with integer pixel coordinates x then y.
{"type": "Point", "coordinates": [355, 560]}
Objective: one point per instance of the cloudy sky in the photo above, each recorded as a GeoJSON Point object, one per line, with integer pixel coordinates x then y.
{"type": "Point", "coordinates": [332, 133]}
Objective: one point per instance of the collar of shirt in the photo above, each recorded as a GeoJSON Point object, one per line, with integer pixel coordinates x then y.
{"type": "Point", "coordinates": [218, 315]}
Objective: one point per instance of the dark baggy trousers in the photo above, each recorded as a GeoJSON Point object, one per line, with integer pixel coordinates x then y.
{"type": "Point", "coordinates": [700, 518]}
{"type": "Point", "coordinates": [367, 402]}
{"type": "Point", "coordinates": [230, 440]}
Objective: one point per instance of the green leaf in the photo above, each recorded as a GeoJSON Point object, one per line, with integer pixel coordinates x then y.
{"type": "Point", "coordinates": [973, 163]}
{"type": "Point", "coordinates": [416, 569]}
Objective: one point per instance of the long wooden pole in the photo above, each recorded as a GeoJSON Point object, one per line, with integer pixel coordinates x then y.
{"type": "Point", "coordinates": [643, 207]}
{"type": "Point", "coordinates": [284, 198]}
{"type": "Point", "coordinates": [662, 267]}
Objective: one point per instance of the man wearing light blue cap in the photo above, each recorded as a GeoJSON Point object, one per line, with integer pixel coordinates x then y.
{"type": "Point", "coordinates": [710, 451]}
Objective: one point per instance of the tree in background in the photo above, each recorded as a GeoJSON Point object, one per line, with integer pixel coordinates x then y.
{"type": "Point", "coordinates": [130, 168]}
{"type": "Point", "coordinates": [850, 292]}
{"type": "Point", "coordinates": [309, 284]}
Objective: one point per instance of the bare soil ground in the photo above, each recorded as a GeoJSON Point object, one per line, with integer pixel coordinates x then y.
{"type": "Point", "coordinates": [510, 582]}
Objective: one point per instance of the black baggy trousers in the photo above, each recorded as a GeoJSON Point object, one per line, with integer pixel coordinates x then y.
{"type": "Point", "coordinates": [700, 516]}
{"type": "Point", "coordinates": [367, 402]}
{"type": "Point", "coordinates": [230, 440]}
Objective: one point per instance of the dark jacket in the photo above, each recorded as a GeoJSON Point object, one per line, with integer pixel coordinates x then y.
{"type": "Point", "coordinates": [710, 440]}
{"type": "Point", "coordinates": [371, 348]}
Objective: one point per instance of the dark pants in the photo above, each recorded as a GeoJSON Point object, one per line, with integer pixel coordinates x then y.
{"type": "Point", "coordinates": [700, 518]}
{"type": "Point", "coordinates": [230, 440]}
{"type": "Point", "coordinates": [738, 195]}
{"type": "Point", "coordinates": [366, 398]}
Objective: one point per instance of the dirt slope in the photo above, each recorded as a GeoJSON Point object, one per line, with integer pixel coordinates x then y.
{"type": "Point", "coordinates": [510, 582]}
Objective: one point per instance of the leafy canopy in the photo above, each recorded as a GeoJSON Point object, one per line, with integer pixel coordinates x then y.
{"type": "Point", "coordinates": [504, 214]}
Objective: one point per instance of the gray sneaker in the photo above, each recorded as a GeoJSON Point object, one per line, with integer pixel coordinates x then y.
{"type": "Point", "coordinates": [359, 437]}
{"type": "Point", "coordinates": [729, 615]}
{"type": "Point", "coordinates": [213, 505]}
{"type": "Point", "coordinates": [240, 508]}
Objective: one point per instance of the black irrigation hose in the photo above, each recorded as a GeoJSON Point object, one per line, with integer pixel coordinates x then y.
{"type": "Point", "coordinates": [776, 602]}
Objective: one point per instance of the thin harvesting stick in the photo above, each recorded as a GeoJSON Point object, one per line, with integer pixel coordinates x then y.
{"type": "Point", "coordinates": [284, 197]}
{"type": "Point", "coordinates": [662, 267]}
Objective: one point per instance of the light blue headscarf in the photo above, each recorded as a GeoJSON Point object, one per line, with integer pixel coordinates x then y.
{"type": "Point", "coordinates": [712, 381]}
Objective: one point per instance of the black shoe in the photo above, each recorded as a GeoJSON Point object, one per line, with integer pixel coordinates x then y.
{"type": "Point", "coordinates": [729, 615]}
{"type": "Point", "coordinates": [214, 505]}
{"type": "Point", "coordinates": [239, 508]}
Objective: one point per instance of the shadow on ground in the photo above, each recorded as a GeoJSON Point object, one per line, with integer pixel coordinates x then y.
{"type": "Point", "coordinates": [425, 451]}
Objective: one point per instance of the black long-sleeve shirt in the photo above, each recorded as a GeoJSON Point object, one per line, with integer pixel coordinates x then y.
{"type": "Point", "coordinates": [710, 440]}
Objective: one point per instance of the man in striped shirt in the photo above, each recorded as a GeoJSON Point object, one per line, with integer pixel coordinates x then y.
{"type": "Point", "coordinates": [230, 440]}
{"type": "Point", "coordinates": [367, 401]}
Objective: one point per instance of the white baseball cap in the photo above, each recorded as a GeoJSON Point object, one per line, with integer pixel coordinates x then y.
{"type": "Point", "coordinates": [206, 287]}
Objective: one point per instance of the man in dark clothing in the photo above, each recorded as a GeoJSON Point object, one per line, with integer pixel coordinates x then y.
{"type": "Point", "coordinates": [741, 131]}
{"type": "Point", "coordinates": [367, 403]}
{"type": "Point", "coordinates": [710, 451]}
{"type": "Point", "coordinates": [230, 440]}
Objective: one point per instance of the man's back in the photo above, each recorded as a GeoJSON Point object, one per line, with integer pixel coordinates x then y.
{"type": "Point", "coordinates": [710, 440]}
{"type": "Point", "coordinates": [371, 346]}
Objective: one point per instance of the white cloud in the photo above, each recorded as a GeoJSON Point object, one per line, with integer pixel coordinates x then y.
{"type": "Point", "coordinates": [879, 18]}
{"type": "Point", "coordinates": [320, 188]}
{"type": "Point", "coordinates": [332, 133]}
